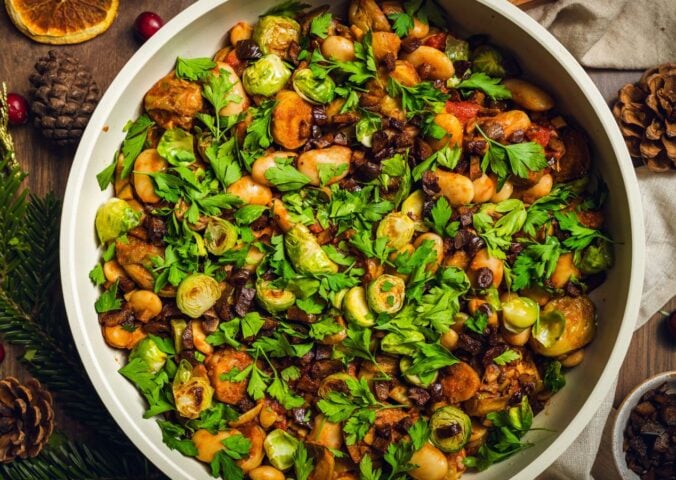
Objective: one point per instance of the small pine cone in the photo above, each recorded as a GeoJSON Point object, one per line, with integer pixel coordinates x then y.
{"type": "Point", "coordinates": [26, 419]}
{"type": "Point", "coordinates": [647, 117]}
{"type": "Point", "coordinates": [63, 95]}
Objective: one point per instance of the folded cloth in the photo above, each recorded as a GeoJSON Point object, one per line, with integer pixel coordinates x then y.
{"type": "Point", "coordinates": [621, 34]}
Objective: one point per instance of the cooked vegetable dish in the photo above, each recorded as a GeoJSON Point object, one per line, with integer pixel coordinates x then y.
{"type": "Point", "coordinates": [350, 246]}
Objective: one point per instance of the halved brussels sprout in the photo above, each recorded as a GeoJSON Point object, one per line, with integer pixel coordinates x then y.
{"type": "Point", "coordinates": [334, 382]}
{"type": "Point", "coordinates": [423, 380]}
{"type": "Point", "coordinates": [176, 146]}
{"type": "Point", "coordinates": [338, 297]}
{"type": "Point", "coordinates": [365, 128]}
{"type": "Point", "coordinates": [178, 326]}
{"type": "Point", "coordinates": [148, 351]}
{"type": "Point", "coordinates": [280, 448]}
{"type": "Point", "coordinates": [219, 236]}
{"type": "Point", "coordinates": [115, 218]}
{"type": "Point", "coordinates": [274, 34]}
{"type": "Point", "coordinates": [267, 76]}
{"type": "Point", "coordinates": [413, 205]}
{"type": "Point", "coordinates": [192, 391]}
{"type": "Point", "coordinates": [488, 59]}
{"type": "Point", "coordinates": [386, 294]}
{"type": "Point", "coordinates": [312, 88]}
{"type": "Point", "coordinates": [273, 299]}
{"type": "Point", "coordinates": [566, 324]}
{"type": "Point", "coordinates": [519, 313]}
{"type": "Point", "coordinates": [451, 429]}
{"type": "Point", "coordinates": [596, 258]}
{"type": "Point", "coordinates": [196, 294]}
{"type": "Point", "coordinates": [456, 49]}
{"type": "Point", "coordinates": [305, 252]}
{"type": "Point", "coordinates": [356, 308]}
{"type": "Point", "coordinates": [398, 228]}
{"type": "Point", "coordinates": [402, 343]}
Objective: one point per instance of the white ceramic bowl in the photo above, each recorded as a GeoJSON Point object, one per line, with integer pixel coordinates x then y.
{"type": "Point", "coordinates": [200, 31]}
{"type": "Point", "coordinates": [624, 412]}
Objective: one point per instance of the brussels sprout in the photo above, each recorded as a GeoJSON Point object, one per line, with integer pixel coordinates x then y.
{"type": "Point", "coordinates": [305, 252]}
{"type": "Point", "coordinates": [273, 299]}
{"type": "Point", "coordinates": [402, 343]}
{"type": "Point", "coordinates": [148, 351]}
{"type": "Point", "coordinates": [596, 258]}
{"type": "Point", "coordinates": [312, 88]}
{"type": "Point", "coordinates": [192, 391]}
{"type": "Point", "coordinates": [333, 382]}
{"type": "Point", "coordinates": [280, 448]}
{"type": "Point", "coordinates": [219, 236]}
{"type": "Point", "coordinates": [365, 128]}
{"type": "Point", "coordinates": [398, 228]}
{"type": "Point", "coordinates": [176, 146]}
{"type": "Point", "coordinates": [456, 49]}
{"type": "Point", "coordinates": [267, 76]}
{"type": "Point", "coordinates": [488, 59]}
{"type": "Point", "coordinates": [386, 294]}
{"type": "Point", "coordinates": [274, 34]}
{"type": "Point", "coordinates": [423, 380]}
{"type": "Point", "coordinates": [451, 429]}
{"type": "Point", "coordinates": [566, 324]}
{"type": "Point", "coordinates": [413, 205]}
{"type": "Point", "coordinates": [356, 308]}
{"type": "Point", "coordinates": [519, 313]}
{"type": "Point", "coordinates": [549, 328]}
{"type": "Point", "coordinates": [178, 326]}
{"type": "Point", "coordinates": [115, 218]}
{"type": "Point", "coordinates": [338, 297]}
{"type": "Point", "coordinates": [196, 294]}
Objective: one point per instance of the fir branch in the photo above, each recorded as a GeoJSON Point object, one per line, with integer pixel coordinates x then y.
{"type": "Point", "coordinates": [70, 460]}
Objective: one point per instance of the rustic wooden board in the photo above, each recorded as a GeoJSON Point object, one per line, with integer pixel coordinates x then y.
{"type": "Point", "coordinates": [649, 353]}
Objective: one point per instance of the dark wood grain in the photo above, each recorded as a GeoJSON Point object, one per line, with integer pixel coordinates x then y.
{"type": "Point", "coordinates": [650, 352]}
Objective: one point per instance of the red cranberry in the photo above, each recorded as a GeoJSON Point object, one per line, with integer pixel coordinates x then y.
{"type": "Point", "coordinates": [18, 109]}
{"type": "Point", "coordinates": [147, 24]}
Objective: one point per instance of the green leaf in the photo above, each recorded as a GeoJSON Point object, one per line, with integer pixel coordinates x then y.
{"type": "Point", "coordinates": [327, 171]}
{"type": "Point", "coordinates": [302, 462]}
{"type": "Point", "coordinates": [286, 177]}
{"type": "Point", "coordinates": [105, 176]}
{"type": "Point", "coordinates": [490, 86]}
{"type": "Point", "coordinates": [580, 236]}
{"type": "Point", "coordinates": [554, 380]}
{"type": "Point", "coordinates": [248, 214]}
{"type": "Point", "coordinates": [171, 436]}
{"type": "Point", "coordinates": [477, 323]}
{"type": "Point", "coordinates": [506, 357]}
{"type": "Point", "coordinates": [441, 215]}
{"type": "Point", "coordinates": [420, 433]}
{"type": "Point", "coordinates": [96, 275]}
{"type": "Point", "coordinates": [251, 324]}
{"type": "Point", "coordinates": [223, 466]}
{"type": "Point", "coordinates": [325, 327]}
{"type": "Point", "coordinates": [193, 68]}
{"type": "Point", "coordinates": [134, 142]}
{"type": "Point", "coordinates": [320, 24]}
{"type": "Point", "coordinates": [366, 470]}
{"type": "Point", "coordinates": [223, 160]}
{"type": "Point", "coordinates": [108, 300]}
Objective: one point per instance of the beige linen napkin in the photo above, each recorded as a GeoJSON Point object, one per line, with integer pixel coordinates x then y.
{"type": "Point", "coordinates": [623, 34]}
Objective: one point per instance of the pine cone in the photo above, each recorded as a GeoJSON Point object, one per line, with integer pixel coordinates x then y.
{"type": "Point", "coordinates": [647, 117]}
{"type": "Point", "coordinates": [26, 419]}
{"type": "Point", "coordinates": [64, 95]}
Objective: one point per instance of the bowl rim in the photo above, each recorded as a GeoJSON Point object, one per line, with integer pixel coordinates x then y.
{"type": "Point", "coordinates": [158, 453]}
{"type": "Point", "coordinates": [622, 417]}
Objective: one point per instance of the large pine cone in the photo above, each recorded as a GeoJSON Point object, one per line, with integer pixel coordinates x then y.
{"type": "Point", "coordinates": [26, 419]}
{"type": "Point", "coordinates": [64, 95]}
{"type": "Point", "coordinates": [647, 117]}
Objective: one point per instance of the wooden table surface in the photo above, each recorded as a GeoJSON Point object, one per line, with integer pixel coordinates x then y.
{"type": "Point", "coordinates": [649, 354]}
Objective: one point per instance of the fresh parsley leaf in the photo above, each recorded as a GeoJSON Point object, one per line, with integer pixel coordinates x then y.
{"type": "Point", "coordinates": [490, 86]}
{"type": "Point", "coordinates": [132, 145]}
{"type": "Point", "coordinates": [302, 462]}
{"type": "Point", "coordinates": [286, 177]}
{"type": "Point", "coordinates": [378, 249]}
{"type": "Point", "coordinates": [108, 300]}
{"type": "Point", "coordinates": [358, 425]}
{"type": "Point", "coordinates": [105, 176]}
{"type": "Point", "coordinates": [402, 23]}
{"type": "Point", "coordinates": [554, 380]}
{"type": "Point", "coordinates": [251, 324]}
{"type": "Point", "coordinates": [193, 68]}
{"type": "Point", "coordinates": [258, 136]}
{"type": "Point", "coordinates": [248, 214]}
{"type": "Point", "coordinates": [320, 25]}
{"type": "Point", "coordinates": [419, 98]}
{"type": "Point", "coordinates": [226, 333]}
{"type": "Point", "coordinates": [310, 305]}
{"type": "Point", "coordinates": [278, 346]}
{"type": "Point", "coordinates": [535, 264]}
{"type": "Point", "coordinates": [287, 8]}
{"type": "Point", "coordinates": [223, 465]}
{"type": "Point", "coordinates": [441, 215]}
{"type": "Point", "coordinates": [522, 158]}
{"type": "Point", "coordinates": [171, 436]}
{"type": "Point", "coordinates": [359, 70]}
{"type": "Point", "coordinates": [506, 357]}
{"type": "Point", "coordinates": [366, 470]}
{"type": "Point", "coordinates": [150, 384]}
{"type": "Point", "coordinates": [420, 433]}
{"type": "Point", "coordinates": [447, 157]}
{"type": "Point", "coordinates": [327, 171]}
{"type": "Point", "coordinates": [580, 236]}
{"type": "Point", "coordinates": [337, 256]}
{"type": "Point", "coordinates": [430, 357]}
{"type": "Point", "coordinates": [223, 160]}
{"type": "Point", "coordinates": [477, 323]}
{"type": "Point", "coordinates": [96, 275]}
{"type": "Point", "coordinates": [214, 419]}
{"type": "Point", "coordinates": [325, 327]}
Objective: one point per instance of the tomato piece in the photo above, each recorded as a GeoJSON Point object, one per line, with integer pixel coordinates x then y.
{"type": "Point", "coordinates": [539, 134]}
{"type": "Point", "coordinates": [437, 41]}
{"type": "Point", "coordinates": [464, 110]}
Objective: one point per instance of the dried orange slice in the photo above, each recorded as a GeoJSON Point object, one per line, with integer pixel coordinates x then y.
{"type": "Point", "coordinates": [60, 22]}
